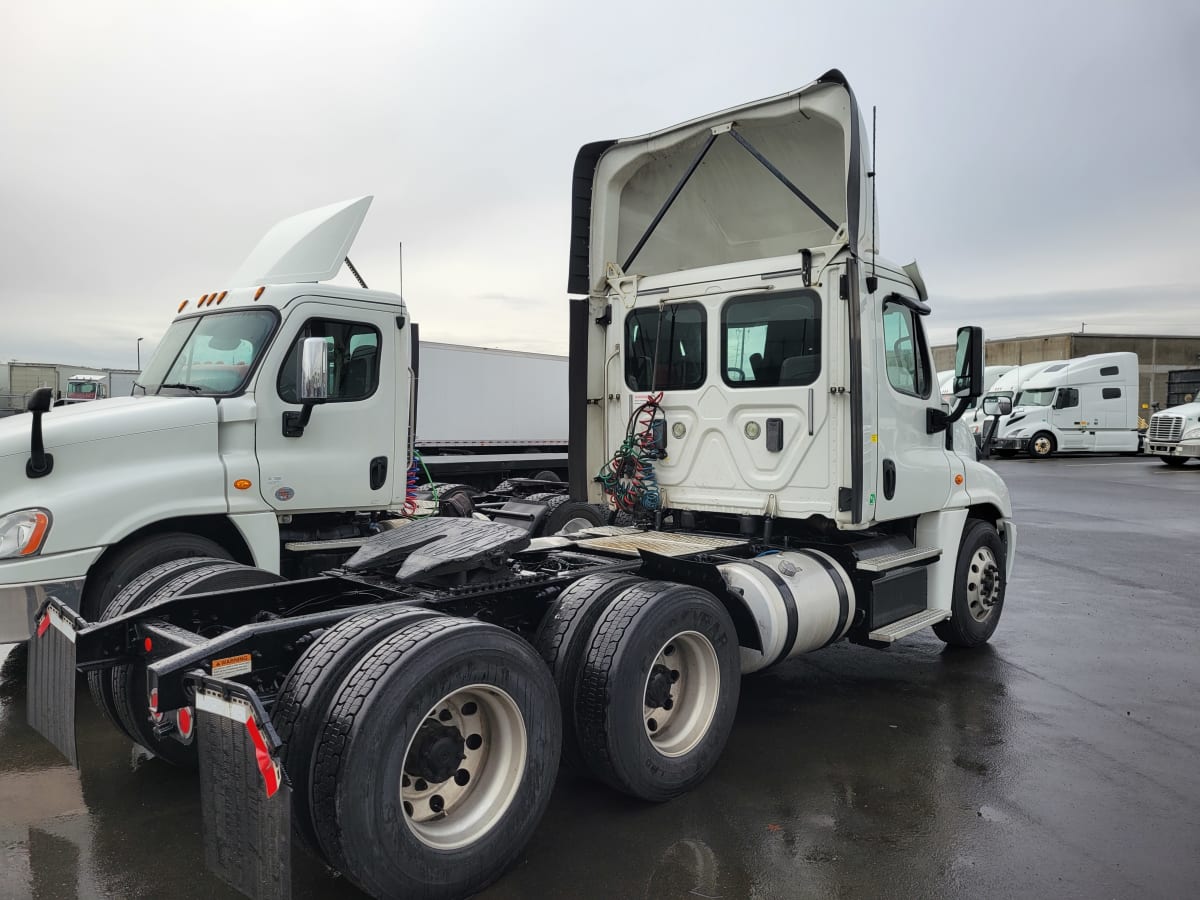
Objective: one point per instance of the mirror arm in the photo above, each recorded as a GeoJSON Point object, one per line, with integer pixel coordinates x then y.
{"type": "Point", "coordinates": [294, 422]}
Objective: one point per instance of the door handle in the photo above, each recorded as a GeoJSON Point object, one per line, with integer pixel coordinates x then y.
{"type": "Point", "coordinates": [378, 472]}
{"type": "Point", "coordinates": [889, 479]}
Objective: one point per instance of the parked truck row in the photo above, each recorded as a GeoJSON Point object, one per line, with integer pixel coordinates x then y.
{"type": "Point", "coordinates": [750, 384]}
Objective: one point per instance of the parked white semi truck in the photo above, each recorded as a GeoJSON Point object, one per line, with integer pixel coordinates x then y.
{"type": "Point", "coordinates": [1174, 434]}
{"type": "Point", "coordinates": [1088, 404]}
{"type": "Point", "coordinates": [1006, 386]}
{"type": "Point", "coordinates": [214, 454]}
{"type": "Point", "coordinates": [750, 383]}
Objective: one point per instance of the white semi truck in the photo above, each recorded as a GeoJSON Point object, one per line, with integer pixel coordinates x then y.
{"type": "Point", "coordinates": [1088, 404]}
{"type": "Point", "coordinates": [211, 457]}
{"type": "Point", "coordinates": [1174, 434]}
{"type": "Point", "coordinates": [750, 384]}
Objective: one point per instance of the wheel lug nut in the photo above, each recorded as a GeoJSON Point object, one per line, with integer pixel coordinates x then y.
{"type": "Point", "coordinates": [668, 650]}
{"type": "Point", "coordinates": [674, 674]}
{"type": "Point", "coordinates": [668, 703]}
{"type": "Point", "coordinates": [461, 777]}
{"type": "Point", "coordinates": [652, 725]}
{"type": "Point", "coordinates": [420, 785]}
{"type": "Point", "coordinates": [436, 803]}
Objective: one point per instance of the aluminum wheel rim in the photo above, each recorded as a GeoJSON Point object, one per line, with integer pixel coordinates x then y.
{"type": "Point", "coordinates": [1041, 446]}
{"type": "Point", "coordinates": [678, 725]}
{"type": "Point", "coordinates": [463, 808]}
{"type": "Point", "coordinates": [983, 584]}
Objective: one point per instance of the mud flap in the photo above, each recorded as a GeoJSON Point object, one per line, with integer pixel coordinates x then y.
{"type": "Point", "coordinates": [245, 801]}
{"type": "Point", "coordinates": [51, 678]}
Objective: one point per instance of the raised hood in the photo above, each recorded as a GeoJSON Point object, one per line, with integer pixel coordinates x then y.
{"type": "Point", "coordinates": [100, 420]}
{"type": "Point", "coordinates": [779, 175]}
{"type": "Point", "coordinates": [308, 247]}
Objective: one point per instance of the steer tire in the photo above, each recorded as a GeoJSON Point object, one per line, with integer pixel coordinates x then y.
{"type": "Point", "coordinates": [502, 696]}
{"type": "Point", "coordinates": [972, 621]}
{"type": "Point", "coordinates": [564, 635]}
{"type": "Point", "coordinates": [647, 626]}
{"type": "Point", "coordinates": [125, 564]}
{"type": "Point", "coordinates": [135, 594]}
{"type": "Point", "coordinates": [1041, 446]}
{"type": "Point", "coordinates": [1174, 461]}
{"type": "Point", "coordinates": [129, 687]}
{"type": "Point", "coordinates": [302, 706]}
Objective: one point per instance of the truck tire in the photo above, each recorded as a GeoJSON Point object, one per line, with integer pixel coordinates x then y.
{"type": "Point", "coordinates": [546, 475]}
{"type": "Point", "coordinates": [1042, 445]}
{"type": "Point", "coordinates": [308, 691]}
{"type": "Point", "coordinates": [135, 594]}
{"type": "Point", "coordinates": [127, 563]}
{"type": "Point", "coordinates": [129, 681]}
{"type": "Point", "coordinates": [564, 511]}
{"type": "Point", "coordinates": [474, 711]}
{"type": "Point", "coordinates": [979, 586]}
{"type": "Point", "coordinates": [1174, 461]}
{"type": "Point", "coordinates": [658, 690]}
{"type": "Point", "coordinates": [565, 633]}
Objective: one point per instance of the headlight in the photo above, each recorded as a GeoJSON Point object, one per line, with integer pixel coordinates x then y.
{"type": "Point", "coordinates": [23, 532]}
{"type": "Point", "coordinates": [1191, 434]}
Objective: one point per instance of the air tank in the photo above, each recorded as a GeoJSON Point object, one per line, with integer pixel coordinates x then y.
{"type": "Point", "coordinates": [800, 599]}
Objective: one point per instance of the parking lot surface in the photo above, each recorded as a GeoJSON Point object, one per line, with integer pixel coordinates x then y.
{"type": "Point", "coordinates": [1060, 760]}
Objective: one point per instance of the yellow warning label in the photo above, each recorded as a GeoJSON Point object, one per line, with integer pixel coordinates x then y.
{"type": "Point", "coordinates": [231, 666]}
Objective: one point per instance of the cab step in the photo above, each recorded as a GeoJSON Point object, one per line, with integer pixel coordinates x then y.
{"type": "Point", "coordinates": [334, 544]}
{"type": "Point", "coordinates": [896, 630]}
{"type": "Point", "coordinates": [902, 558]}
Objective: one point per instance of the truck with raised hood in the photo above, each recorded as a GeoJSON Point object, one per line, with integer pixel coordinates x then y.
{"type": "Point", "coordinates": [751, 386]}
{"type": "Point", "coordinates": [214, 455]}
{"type": "Point", "coordinates": [1084, 405]}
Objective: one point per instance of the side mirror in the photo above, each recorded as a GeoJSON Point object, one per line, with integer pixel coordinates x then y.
{"type": "Point", "coordinates": [968, 363]}
{"type": "Point", "coordinates": [314, 369]}
{"type": "Point", "coordinates": [40, 400]}
{"type": "Point", "coordinates": [997, 406]}
{"type": "Point", "coordinates": [40, 463]}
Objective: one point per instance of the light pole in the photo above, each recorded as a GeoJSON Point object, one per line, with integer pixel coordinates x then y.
{"type": "Point", "coordinates": [139, 354]}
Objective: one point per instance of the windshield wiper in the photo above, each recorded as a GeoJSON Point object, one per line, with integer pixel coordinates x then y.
{"type": "Point", "coordinates": [181, 386]}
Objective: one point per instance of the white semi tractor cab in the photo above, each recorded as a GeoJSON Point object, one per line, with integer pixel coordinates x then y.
{"type": "Point", "coordinates": [1088, 404]}
{"type": "Point", "coordinates": [751, 386]}
{"type": "Point", "coordinates": [1174, 434]}
{"type": "Point", "coordinates": [216, 454]}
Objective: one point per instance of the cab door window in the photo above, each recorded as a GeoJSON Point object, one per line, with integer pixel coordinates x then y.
{"type": "Point", "coordinates": [353, 360]}
{"type": "Point", "coordinates": [771, 341]}
{"type": "Point", "coordinates": [905, 358]}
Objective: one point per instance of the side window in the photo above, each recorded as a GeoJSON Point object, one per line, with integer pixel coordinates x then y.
{"type": "Point", "coordinates": [1111, 393]}
{"type": "Point", "coordinates": [771, 341]}
{"type": "Point", "coordinates": [1068, 398]}
{"type": "Point", "coordinates": [353, 360]}
{"type": "Point", "coordinates": [904, 350]}
{"type": "Point", "coordinates": [665, 350]}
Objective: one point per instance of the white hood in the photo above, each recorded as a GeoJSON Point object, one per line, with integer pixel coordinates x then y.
{"type": "Point", "coordinates": [732, 208]}
{"type": "Point", "coordinates": [308, 247]}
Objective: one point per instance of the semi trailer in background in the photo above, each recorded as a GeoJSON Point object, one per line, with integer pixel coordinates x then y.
{"type": "Point", "coordinates": [750, 384]}
{"type": "Point", "coordinates": [70, 384]}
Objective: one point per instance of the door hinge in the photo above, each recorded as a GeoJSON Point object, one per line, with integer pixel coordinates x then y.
{"type": "Point", "coordinates": [844, 286]}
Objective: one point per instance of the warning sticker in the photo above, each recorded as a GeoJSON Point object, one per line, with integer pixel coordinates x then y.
{"type": "Point", "coordinates": [231, 666]}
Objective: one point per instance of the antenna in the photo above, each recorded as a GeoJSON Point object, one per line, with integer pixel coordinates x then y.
{"type": "Point", "coordinates": [402, 270]}
{"type": "Point", "coordinates": [874, 208]}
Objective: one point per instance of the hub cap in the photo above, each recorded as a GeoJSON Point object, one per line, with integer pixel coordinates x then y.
{"type": "Point", "coordinates": [463, 766]}
{"type": "Point", "coordinates": [1041, 445]}
{"type": "Point", "coordinates": [682, 689]}
{"type": "Point", "coordinates": [983, 584]}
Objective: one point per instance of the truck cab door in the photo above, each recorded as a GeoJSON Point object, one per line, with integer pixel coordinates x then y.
{"type": "Point", "coordinates": [1069, 416]}
{"type": "Point", "coordinates": [914, 468]}
{"type": "Point", "coordinates": [346, 456]}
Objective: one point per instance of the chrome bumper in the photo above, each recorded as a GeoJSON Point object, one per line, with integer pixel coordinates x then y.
{"type": "Point", "coordinates": [18, 603]}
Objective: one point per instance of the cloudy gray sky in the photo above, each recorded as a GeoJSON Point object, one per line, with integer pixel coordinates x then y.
{"type": "Point", "coordinates": [1040, 159]}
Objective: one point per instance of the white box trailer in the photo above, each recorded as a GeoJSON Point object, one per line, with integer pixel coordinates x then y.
{"type": "Point", "coordinates": [1089, 404]}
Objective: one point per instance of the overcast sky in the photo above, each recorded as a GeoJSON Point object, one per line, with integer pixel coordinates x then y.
{"type": "Point", "coordinates": [1041, 160]}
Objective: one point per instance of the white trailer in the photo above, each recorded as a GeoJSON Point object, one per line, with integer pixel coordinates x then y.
{"type": "Point", "coordinates": [1088, 404]}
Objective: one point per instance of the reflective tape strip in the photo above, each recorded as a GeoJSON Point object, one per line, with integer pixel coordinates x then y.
{"type": "Point", "coordinates": [239, 711]}
{"type": "Point", "coordinates": [266, 765]}
{"type": "Point", "coordinates": [230, 709]}
{"type": "Point", "coordinates": [60, 623]}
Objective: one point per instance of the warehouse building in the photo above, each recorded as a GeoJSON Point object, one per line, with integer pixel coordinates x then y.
{"type": "Point", "coordinates": [1158, 355]}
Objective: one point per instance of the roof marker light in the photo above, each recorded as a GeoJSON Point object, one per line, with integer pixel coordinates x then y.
{"type": "Point", "coordinates": [221, 297]}
{"type": "Point", "coordinates": [202, 301]}
{"type": "Point", "coordinates": [259, 292]}
{"type": "Point", "coordinates": [181, 306]}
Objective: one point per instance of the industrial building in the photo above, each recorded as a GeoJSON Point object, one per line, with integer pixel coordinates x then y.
{"type": "Point", "coordinates": [1158, 355]}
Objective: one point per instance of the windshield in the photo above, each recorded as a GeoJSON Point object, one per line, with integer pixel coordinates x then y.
{"type": "Point", "coordinates": [211, 354]}
{"type": "Point", "coordinates": [81, 387]}
{"type": "Point", "coordinates": [1039, 397]}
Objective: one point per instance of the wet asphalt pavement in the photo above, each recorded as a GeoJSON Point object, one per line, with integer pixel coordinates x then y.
{"type": "Point", "coordinates": [1061, 760]}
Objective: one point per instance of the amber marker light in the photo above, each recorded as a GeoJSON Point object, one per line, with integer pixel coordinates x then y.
{"type": "Point", "coordinates": [41, 522]}
{"type": "Point", "coordinates": [259, 292]}
{"type": "Point", "coordinates": [958, 479]}
{"type": "Point", "coordinates": [181, 306]}
{"type": "Point", "coordinates": [221, 297]}
{"type": "Point", "coordinates": [242, 484]}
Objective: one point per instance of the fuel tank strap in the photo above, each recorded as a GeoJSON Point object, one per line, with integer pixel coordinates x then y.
{"type": "Point", "coordinates": [789, 604]}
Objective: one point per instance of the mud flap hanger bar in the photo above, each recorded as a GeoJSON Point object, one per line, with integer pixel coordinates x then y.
{"type": "Point", "coordinates": [767, 164]}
